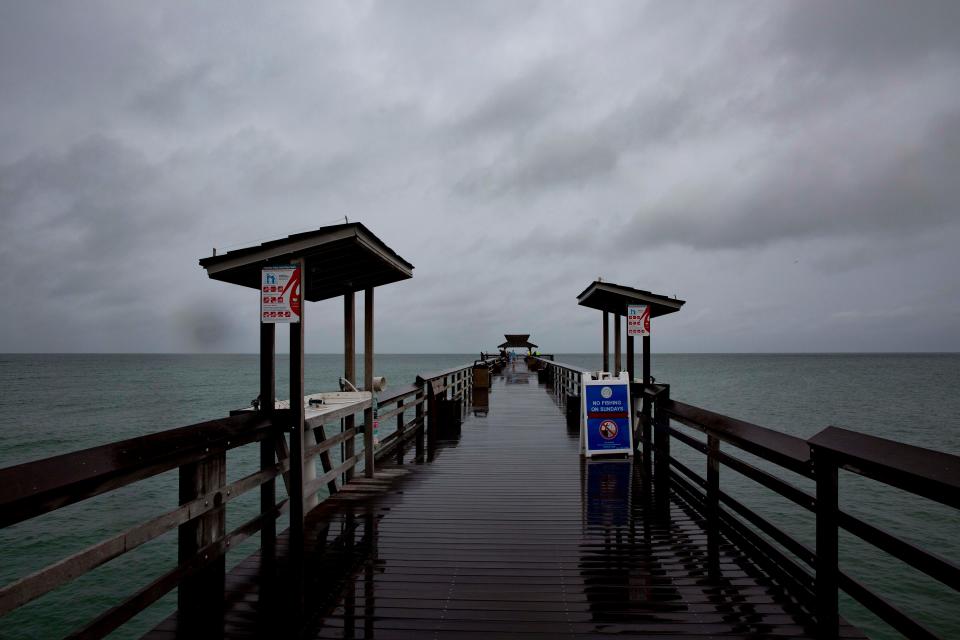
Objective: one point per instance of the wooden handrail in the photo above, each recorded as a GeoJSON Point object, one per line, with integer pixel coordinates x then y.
{"type": "Point", "coordinates": [391, 394]}
{"type": "Point", "coordinates": [33, 488]}
{"type": "Point", "coordinates": [786, 450]}
{"type": "Point", "coordinates": [561, 365]}
{"type": "Point", "coordinates": [426, 377]}
{"type": "Point", "coordinates": [925, 472]}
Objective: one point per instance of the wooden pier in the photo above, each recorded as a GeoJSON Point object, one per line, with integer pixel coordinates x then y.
{"type": "Point", "coordinates": [475, 514]}
{"type": "Point", "coordinates": [508, 532]}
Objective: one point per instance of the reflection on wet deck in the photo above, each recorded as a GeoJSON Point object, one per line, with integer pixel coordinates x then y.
{"type": "Point", "coordinates": [508, 532]}
{"type": "Point", "coordinates": [511, 532]}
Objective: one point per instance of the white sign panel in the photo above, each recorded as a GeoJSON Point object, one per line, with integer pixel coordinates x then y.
{"type": "Point", "coordinates": [638, 320]}
{"type": "Point", "coordinates": [280, 294]}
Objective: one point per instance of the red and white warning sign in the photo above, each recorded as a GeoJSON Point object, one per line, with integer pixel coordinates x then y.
{"type": "Point", "coordinates": [638, 320]}
{"type": "Point", "coordinates": [280, 294]}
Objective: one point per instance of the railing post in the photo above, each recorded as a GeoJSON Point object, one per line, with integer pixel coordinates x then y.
{"type": "Point", "coordinates": [713, 477]}
{"type": "Point", "coordinates": [420, 426]}
{"type": "Point", "coordinates": [827, 572]}
{"type": "Point", "coordinates": [400, 432]}
{"type": "Point", "coordinates": [200, 596]}
{"type": "Point", "coordinates": [662, 444]}
{"type": "Point", "coordinates": [713, 503]}
{"type": "Point", "coordinates": [646, 430]}
{"type": "Point", "coordinates": [432, 420]}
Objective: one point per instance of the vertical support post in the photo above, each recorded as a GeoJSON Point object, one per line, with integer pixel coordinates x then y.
{"type": "Point", "coordinates": [200, 596]}
{"type": "Point", "coordinates": [349, 371]}
{"type": "Point", "coordinates": [662, 444]}
{"type": "Point", "coordinates": [713, 477]}
{"type": "Point", "coordinates": [368, 380]}
{"type": "Point", "coordinates": [433, 419]}
{"type": "Point", "coordinates": [713, 503]}
{"type": "Point", "coordinates": [606, 342]}
{"type": "Point", "coordinates": [647, 403]}
{"type": "Point", "coordinates": [420, 426]}
{"type": "Point", "coordinates": [400, 432]}
{"type": "Point", "coordinates": [646, 360]}
{"type": "Point", "coordinates": [634, 405]}
{"type": "Point", "coordinates": [268, 490]}
{"type": "Point", "coordinates": [296, 453]}
{"type": "Point", "coordinates": [297, 417]}
{"type": "Point", "coordinates": [617, 365]}
{"type": "Point", "coordinates": [827, 573]}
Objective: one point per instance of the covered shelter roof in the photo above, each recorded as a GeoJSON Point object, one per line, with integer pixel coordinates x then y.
{"type": "Point", "coordinates": [614, 298]}
{"type": "Point", "coordinates": [339, 259]}
{"type": "Point", "coordinates": [517, 340]}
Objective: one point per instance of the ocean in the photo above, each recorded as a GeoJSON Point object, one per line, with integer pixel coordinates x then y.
{"type": "Point", "coordinates": [52, 404]}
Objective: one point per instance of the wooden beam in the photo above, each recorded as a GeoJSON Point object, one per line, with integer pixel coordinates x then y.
{"type": "Point", "coordinates": [296, 422]}
{"type": "Point", "coordinates": [200, 596]}
{"type": "Point", "coordinates": [349, 368]}
{"type": "Point", "coordinates": [606, 341]}
{"type": "Point", "coordinates": [368, 380]}
{"type": "Point", "coordinates": [268, 490]}
{"type": "Point", "coordinates": [617, 364]}
{"type": "Point", "coordinates": [646, 360]}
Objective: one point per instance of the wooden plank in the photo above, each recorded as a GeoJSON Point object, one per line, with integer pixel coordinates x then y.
{"type": "Point", "coordinates": [328, 443]}
{"type": "Point", "coordinates": [400, 408]}
{"type": "Point", "coordinates": [325, 463]}
{"type": "Point", "coordinates": [315, 485]}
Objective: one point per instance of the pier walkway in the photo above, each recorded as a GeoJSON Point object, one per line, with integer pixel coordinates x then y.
{"type": "Point", "coordinates": [507, 532]}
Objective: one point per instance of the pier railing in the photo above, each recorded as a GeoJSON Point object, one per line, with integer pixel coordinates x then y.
{"type": "Point", "coordinates": [199, 454]}
{"type": "Point", "coordinates": [814, 574]}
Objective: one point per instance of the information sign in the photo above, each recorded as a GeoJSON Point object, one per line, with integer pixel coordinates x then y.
{"type": "Point", "coordinates": [606, 416]}
{"type": "Point", "coordinates": [638, 320]}
{"type": "Point", "coordinates": [280, 294]}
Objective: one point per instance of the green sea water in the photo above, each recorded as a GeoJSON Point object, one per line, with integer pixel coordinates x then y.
{"type": "Point", "coordinates": [51, 404]}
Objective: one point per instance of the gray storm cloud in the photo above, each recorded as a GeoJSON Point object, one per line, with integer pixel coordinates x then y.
{"type": "Point", "coordinates": [788, 168]}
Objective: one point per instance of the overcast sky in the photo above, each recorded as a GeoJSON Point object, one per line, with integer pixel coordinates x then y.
{"type": "Point", "coordinates": [791, 169]}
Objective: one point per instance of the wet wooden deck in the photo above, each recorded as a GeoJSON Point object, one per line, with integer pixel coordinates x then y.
{"type": "Point", "coordinates": [507, 533]}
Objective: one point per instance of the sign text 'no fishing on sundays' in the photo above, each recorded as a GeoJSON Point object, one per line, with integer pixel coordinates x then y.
{"type": "Point", "coordinates": [280, 295]}
{"type": "Point", "coordinates": [607, 416]}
